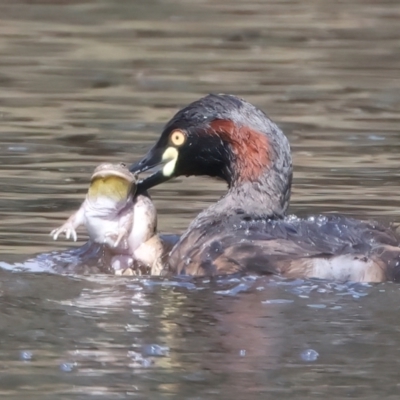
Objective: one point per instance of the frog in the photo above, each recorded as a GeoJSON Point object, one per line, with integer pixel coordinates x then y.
{"type": "Point", "coordinates": [120, 219]}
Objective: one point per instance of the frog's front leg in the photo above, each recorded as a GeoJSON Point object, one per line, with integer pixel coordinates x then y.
{"type": "Point", "coordinates": [70, 226]}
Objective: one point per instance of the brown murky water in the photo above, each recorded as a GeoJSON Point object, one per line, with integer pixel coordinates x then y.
{"type": "Point", "coordinates": [87, 82]}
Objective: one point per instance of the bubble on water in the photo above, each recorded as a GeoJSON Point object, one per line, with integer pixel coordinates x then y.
{"type": "Point", "coordinates": [225, 280]}
{"type": "Point", "coordinates": [309, 355]}
{"type": "Point", "coordinates": [68, 366]}
{"type": "Point", "coordinates": [250, 278]}
{"type": "Point", "coordinates": [18, 148]}
{"type": "Point", "coordinates": [235, 290]}
{"type": "Point", "coordinates": [376, 137]}
{"type": "Point", "coordinates": [277, 301]}
{"type": "Point", "coordinates": [316, 305]}
{"type": "Point", "coordinates": [25, 355]}
{"type": "Point", "coordinates": [307, 289]}
{"type": "Point", "coordinates": [183, 284]}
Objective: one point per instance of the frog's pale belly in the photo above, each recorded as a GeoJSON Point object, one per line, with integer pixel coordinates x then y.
{"type": "Point", "coordinates": [135, 222]}
{"type": "Point", "coordinates": [99, 227]}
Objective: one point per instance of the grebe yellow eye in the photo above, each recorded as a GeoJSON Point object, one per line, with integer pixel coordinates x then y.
{"type": "Point", "coordinates": [178, 138]}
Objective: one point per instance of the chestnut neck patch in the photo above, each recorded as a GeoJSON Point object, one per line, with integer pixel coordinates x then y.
{"type": "Point", "coordinates": [250, 147]}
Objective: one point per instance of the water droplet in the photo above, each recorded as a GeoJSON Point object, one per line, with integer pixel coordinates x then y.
{"type": "Point", "coordinates": [25, 355]}
{"type": "Point", "coordinates": [242, 353]}
{"type": "Point", "coordinates": [188, 260]}
{"type": "Point", "coordinates": [292, 218]}
{"type": "Point", "coordinates": [67, 366]}
{"type": "Point", "coordinates": [309, 355]}
{"type": "Point", "coordinates": [146, 362]}
{"type": "Point", "coordinates": [139, 360]}
{"type": "Point", "coordinates": [155, 350]}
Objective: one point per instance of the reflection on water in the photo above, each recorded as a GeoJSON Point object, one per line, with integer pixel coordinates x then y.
{"type": "Point", "coordinates": [84, 82]}
{"type": "Point", "coordinates": [115, 338]}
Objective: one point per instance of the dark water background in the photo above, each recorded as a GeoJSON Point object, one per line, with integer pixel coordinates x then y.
{"type": "Point", "coordinates": [87, 82]}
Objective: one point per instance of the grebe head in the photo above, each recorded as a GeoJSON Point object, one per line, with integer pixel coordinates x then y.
{"type": "Point", "coordinates": [227, 137]}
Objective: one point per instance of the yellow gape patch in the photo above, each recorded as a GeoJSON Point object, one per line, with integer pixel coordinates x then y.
{"type": "Point", "coordinates": [113, 187]}
{"type": "Point", "coordinates": [169, 157]}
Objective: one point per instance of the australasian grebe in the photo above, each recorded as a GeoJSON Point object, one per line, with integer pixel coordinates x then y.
{"type": "Point", "coordinates": [247, 230]}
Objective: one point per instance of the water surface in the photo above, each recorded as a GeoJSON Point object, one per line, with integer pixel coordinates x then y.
{"type": "Point", "coordinates": [84, 82]}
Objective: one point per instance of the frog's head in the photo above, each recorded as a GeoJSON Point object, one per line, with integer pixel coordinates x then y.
{"type": "Point", "coordinates": [113, 182]}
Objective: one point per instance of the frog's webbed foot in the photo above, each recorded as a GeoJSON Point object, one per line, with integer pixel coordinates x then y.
{"type": "Point", "coordinates": [68, 229]}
